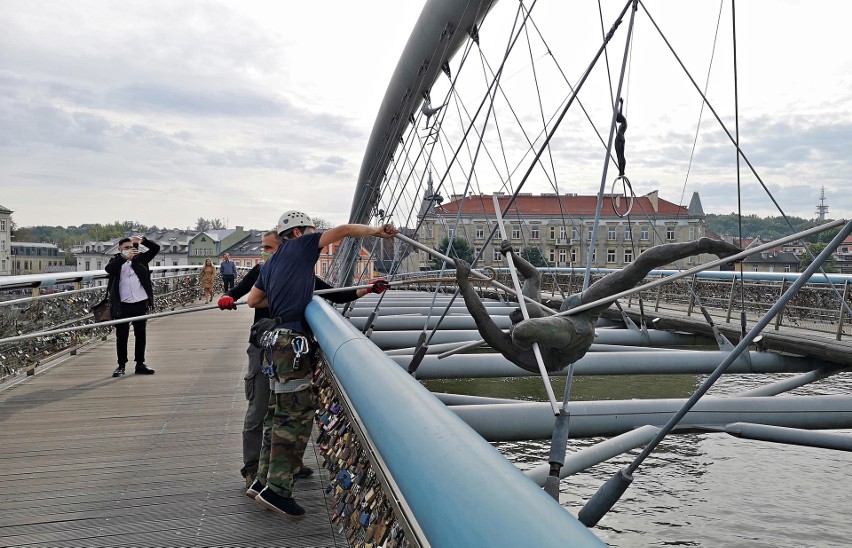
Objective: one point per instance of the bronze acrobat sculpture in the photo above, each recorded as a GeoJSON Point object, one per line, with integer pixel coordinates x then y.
{"type": "Point", "coordinates": [565, 339]}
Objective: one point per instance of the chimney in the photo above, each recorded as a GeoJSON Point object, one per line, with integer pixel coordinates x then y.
{"type": "Point", "coordinates": [654, 198]}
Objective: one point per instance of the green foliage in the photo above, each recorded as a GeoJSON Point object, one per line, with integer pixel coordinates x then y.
{"type": "Point", "coordinates": [769, 228]}
{"type": "Point", "coordinates": [805, 260]}
{"type": "Point", "coordinates": [202, 224]}
{"type": "Point", "coordinates": [533, 256]}
{"type": "Point", "coordinates": [461, 248]}
{"type": "Point", "coordinates": [321, 224]}
{"type": "Point", "coordinates": [66, 237]}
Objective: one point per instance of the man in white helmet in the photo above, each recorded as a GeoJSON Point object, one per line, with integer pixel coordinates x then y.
{"type": "Point", "coordinates": [285, 285]}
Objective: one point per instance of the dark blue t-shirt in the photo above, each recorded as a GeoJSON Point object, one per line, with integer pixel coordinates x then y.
{"type": "Point", "coordinates": [288, 278]}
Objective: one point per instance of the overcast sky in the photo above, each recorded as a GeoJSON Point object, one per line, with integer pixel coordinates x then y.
{"type": "Point", "coordinates": [164, 112]}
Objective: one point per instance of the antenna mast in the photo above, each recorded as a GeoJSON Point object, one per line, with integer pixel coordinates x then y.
{"type": "Point", "coordinates": [821, 209]}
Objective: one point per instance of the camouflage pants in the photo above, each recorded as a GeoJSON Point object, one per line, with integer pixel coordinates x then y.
{"type": "Point", "coordinates": [286, 431]}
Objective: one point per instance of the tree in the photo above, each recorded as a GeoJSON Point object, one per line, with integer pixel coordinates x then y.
{"type": "Point", "coordinates": [217, 224]}
{"type": "Point", "coordinates": [829, 265]}
{"type": "Point", "coordinates": [461, 248]}
{"type": "Point", "coordinates": [322, 224]}
{"type": "Point", "coordinates": [202, 224]}
{"type": "Point", "coordinates": [533, 256]}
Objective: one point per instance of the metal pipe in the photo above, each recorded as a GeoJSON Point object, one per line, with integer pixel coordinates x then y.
{"type": "Point", "coordinates": [492, 365]}
{"type": "Point", "coordinates": [533, 420]}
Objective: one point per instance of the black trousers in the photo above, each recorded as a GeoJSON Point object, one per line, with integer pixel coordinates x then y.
{"type": "Point", "coordinates": [122, 332]}
{"type": "Point", "coordinates": [227, 282]}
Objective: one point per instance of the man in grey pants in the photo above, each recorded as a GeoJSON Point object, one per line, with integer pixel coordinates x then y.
{"type": "Point", "coordinates": [256, 383]}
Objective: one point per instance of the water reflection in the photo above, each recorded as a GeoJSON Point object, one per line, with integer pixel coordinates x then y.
{"type": "Point", "coordinates": [697, 489]}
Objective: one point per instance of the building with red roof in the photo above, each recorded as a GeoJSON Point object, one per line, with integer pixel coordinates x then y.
{"type": "Point", "coordinates": [561, 226]}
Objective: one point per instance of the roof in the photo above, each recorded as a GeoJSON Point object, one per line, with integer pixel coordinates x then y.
{"type": "Point", "coordinates": [549, 205]}
{"type": "Point", "coordinates": [250, 246]}
{"type": "Point", "coordinates": [783, 257]}
{"type": "Point", "coordinates": [35, 244]}
{"type": "Point", "coordinates": [5, 210]}
{"type": "Point", "coordinates": [216, 235]}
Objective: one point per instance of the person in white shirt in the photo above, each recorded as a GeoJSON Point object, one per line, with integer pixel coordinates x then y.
{"type": "Point", "coordinates": [131, 294]}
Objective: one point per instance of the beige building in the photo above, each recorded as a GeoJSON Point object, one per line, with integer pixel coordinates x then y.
{"type": "Point", "coordinates": [560, 227]}
{"type": "Point", "coordinates": [5, 241]}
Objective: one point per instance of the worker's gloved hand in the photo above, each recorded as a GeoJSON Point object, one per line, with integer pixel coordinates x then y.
{"type": "Point", "coordinates": [227, 303]}
{"type": "Point", "coordinates": [505, 247]}
{"type": "Point", "coordinates": [379, 286]}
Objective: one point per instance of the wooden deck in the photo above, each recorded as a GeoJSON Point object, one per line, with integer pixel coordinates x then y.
{"type": "Point", "coordinates": [88, 460]}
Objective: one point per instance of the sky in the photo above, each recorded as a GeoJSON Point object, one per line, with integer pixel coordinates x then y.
{"type": "Point", "coordinates": [163, 112]}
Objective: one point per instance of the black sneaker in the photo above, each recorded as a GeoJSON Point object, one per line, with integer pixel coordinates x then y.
{"type": "Point", "coordinates": [119, 371]}
{"type": "Point", "coordinates": [285, 506]}
{"type": "Point", "coordinates": [142, 369]}
{"type": "Point", "coordinates": [255, 488]}
{"type": "Point", "coordinates": [304, 472]}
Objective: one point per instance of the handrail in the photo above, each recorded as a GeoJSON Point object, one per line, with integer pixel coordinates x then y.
{"type": "Point", "coordinates": [475, 497]}
{"type": "Point", "coordinates": [23, 281]}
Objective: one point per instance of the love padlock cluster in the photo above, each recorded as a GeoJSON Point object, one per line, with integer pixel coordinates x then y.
{"type": "Point", "coordinates": [358, 504]}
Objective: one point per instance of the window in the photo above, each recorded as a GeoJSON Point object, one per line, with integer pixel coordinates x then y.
{"type": "Point", "coordinates": [534, 232]}
{"type": "Point", "coordinates": [691, 233]}
{"type": "Point", "coordinates": [552, 255]}
{"type": "Point", "coordinates": [628, 234]}
{"type": "Point", "coordinates": [574, 234]}
{"type": "Point", "coordinates": [174, 263]}
{"type": "Point", "coordinates": [628, 256]}
{"type": "Point", "coordinates": [2, 225]}
{"type": "Point", "coordinates": [99, 265]}
{"type": "Point", "coordinates": [670, 233]}
{"type": "Point", "coordinates": [451, 232]}
{"type": "Point", "coordinates": [480, 232]}
{"type": "Point", "coordinates": [594, 256]}
{"type": "Point", "coordinates": [324, 269]}
{"type": "Point", "coordinates": [497, 255]}
{"type": "Point", "coordinates": [552, 232]}
{"type": "Point", "coordinates": [3, 264]}
{"type": "Point", "coordinates": [573, 256]}
{"type": "Point", "coordinates": [786, 268]}
{"type": "Point", "coordinates": [589, 232]}
{"type": "Point", "coordinates": [516, 232]}
{"type": "Point", "coordinates": [88, 266]}
{"type": "Point", "coordinates": [562, 233]}
{"type": "Point", "coordinates": [690, 259]}
{"type": "Point", "coordinates": [563, 257]}
{"type": "Point", "coordinates": [610, 233]}
{"type": "Point", "coordinates": [643, 233]}
{"type": "Point", "coordinates": [610, 255]}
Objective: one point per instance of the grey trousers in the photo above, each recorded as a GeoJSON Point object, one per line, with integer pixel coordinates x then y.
{"type": "Point", "coordinates": [257, 394]}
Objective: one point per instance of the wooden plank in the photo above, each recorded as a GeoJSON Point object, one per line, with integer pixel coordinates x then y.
{"type": "Point", "coordinates": [88, 460]}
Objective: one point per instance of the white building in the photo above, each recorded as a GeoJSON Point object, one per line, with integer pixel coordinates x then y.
{"type": "Point", "coordinates": [5, 241]}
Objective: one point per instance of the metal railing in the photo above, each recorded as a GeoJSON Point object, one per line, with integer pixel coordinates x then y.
{"type": "Point", "coordinates": [46, 302]}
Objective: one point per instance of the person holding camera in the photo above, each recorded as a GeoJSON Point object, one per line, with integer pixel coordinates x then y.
{"type": "Point", "coordinates": [130, 295]}
{"type": "Point", "coordinates": [256, 383]}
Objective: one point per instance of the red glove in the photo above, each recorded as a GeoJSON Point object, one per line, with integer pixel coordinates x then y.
{"type": "Point", "coordinates": [379, 286]}
{"type": "Point", "coordinates": [227, 303]}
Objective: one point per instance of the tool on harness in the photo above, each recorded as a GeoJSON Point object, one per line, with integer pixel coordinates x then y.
{"type": "Point", "coordinates": [277, 345]}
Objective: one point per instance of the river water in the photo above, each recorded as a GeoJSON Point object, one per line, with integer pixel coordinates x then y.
{"type": "Point", "coordinates": [698, 489]}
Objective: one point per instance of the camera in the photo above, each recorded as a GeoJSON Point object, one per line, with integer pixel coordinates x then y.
{"type": "Point", "coordinates": [135, 245]}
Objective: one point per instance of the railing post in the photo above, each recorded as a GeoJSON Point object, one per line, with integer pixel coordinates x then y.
{"type": "Point", "coordinates": [731, 299]}
{"type": "Point", "coordinates": [659, 289]}
{"type": "Point", "coordinates": [840, 314]}
{"type": "Point", "coordinates": [780, 312]}
{"type": "Point", "coordinates": [691, 298]}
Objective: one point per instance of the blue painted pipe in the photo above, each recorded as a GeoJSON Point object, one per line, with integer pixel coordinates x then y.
{"type": "Point", "coordinates": [460, 489]}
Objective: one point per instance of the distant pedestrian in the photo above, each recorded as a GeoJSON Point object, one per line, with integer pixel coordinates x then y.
{"type": "Point", "coordinates": [286, 286]}
{"type": "Point", "coordinates": [228, 271]}
{"type": "Point", "coordinates": [208, 274]}
{"type": "Point", "coordinates": [130, 295]}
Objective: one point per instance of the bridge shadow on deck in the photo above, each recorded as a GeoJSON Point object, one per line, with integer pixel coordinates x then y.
{"type": "Point", "coordinates": [88, 460]}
